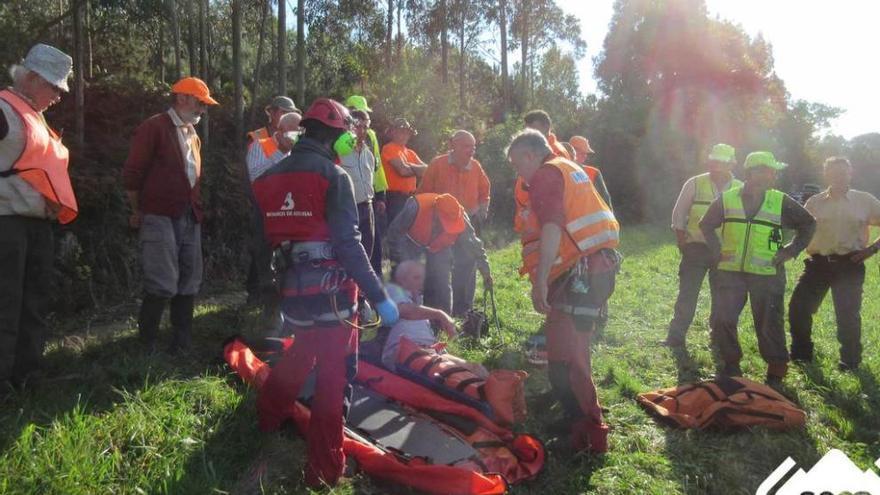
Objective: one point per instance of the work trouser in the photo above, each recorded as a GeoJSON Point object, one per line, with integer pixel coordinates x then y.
{"type": "Point", "coordinates": [171, 254]}
{"type": "Point", "coordinates": [367, 227]}
{"type": "Point", "coordinates": [459, 296]}
{"type": "Point", "coordinates": [332, 353]}
{"type": "Point", "coordinates": [260, 280]}
{"type": "Point", "coordinates": [26, 256]}
{"type": "Point", "coordinates": [696, 262]}
{"type": "Point", "coordinates": [394, 202]}
{"type": "Point", "coordinates": [380, 223]}
{"type": "Point", "coordinates": [845, 278]}
{"type": "Point", "coordinates": [765, 293]}
{"type": "Point", "coordinates": [569, 328]}
{"type": "Point", "coordinates": [171, 257]}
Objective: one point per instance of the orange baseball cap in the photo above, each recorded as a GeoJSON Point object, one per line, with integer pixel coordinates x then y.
{"type": "Point", "coordinates": [581, 144]}
{"type": "Point", "coordinates": [194, 86]}
{"type": "Point", "coordinates": [451, 213]}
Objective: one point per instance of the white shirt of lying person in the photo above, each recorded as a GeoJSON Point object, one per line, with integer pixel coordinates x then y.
{"type": "Point", "coordinates": [418, 331]}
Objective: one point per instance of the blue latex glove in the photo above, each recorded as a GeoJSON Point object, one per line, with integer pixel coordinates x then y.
{"type": "Point", "coordinates": [387, 310]}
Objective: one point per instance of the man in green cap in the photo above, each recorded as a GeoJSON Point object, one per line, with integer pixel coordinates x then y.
{"type": "Point", "coordinates": [751, 259]}
{"type": "Point", "coordinates": [696, 195]}
{"type": "Point", "coordinates": [380, 184]}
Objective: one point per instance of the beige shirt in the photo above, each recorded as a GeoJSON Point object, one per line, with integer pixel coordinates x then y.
{"type": "Point", "coordinates": [185, 134]}
{"type": "Point", "coordinates": [842, 223]}
{"type": "Point", "coordinates": [17, 197]}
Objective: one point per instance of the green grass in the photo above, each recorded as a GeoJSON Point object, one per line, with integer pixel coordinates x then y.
{"type": "Point", "coordinates": [108, 419]}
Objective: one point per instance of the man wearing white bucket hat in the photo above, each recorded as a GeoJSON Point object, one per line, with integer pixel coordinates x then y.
{"type": "Point", "coordinates": [34, 190]}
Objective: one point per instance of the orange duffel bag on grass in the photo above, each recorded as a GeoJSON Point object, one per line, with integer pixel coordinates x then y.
{"type": "Point", "coordinates": [723, 403]}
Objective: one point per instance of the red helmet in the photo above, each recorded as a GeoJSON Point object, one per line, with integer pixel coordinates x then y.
{"type": "Point", "coordinates": [330, 113]}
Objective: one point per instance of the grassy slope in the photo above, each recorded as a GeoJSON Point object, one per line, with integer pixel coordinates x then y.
{"type": "Point", "coordinates": [110, 420]}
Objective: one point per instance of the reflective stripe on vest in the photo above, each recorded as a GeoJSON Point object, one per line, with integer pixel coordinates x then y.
{"type": "Point", "coordinates": [589, 224]}
{"type": "Point", "coordinates": [749, 245]}
{"type": "Point", "coordinates": [43, 162]}
{"type": "Point", "coordinates": [704, 195]}
{"type": "Point", "coordinates": [422, 229]}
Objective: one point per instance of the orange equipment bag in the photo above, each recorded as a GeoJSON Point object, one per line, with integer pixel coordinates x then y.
{"type": "Point", "coordinates": [723, 403]}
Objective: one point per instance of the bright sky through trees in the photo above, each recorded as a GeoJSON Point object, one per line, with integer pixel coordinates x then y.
{"type": "Point", "coordinates": [821, 49]}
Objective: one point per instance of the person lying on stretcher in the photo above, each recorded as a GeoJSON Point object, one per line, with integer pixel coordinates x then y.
{"type": "Point", "coordinates": [415, 319]}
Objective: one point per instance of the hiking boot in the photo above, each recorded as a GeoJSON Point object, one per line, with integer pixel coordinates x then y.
{"type": "Point", "coordinates": [847, 367]}
{"type": "Point", "coordinates": [731, 370]}
{"type": "Point", "coordinates": [774, 382]}
{"type": "Point", "coordinates": [801, 358]}
{"type": "Point", "coordinates": [588, 436]}
{"type": "Point", "coordinates": [672, 342]}
{"type": "Point", "coordinates": [149, 318]}
{"type": "Point", "coordinates": [181, 323]}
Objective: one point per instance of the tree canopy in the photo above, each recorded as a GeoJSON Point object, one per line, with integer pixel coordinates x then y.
{"type": "Point", "coordinates": [672, 82]}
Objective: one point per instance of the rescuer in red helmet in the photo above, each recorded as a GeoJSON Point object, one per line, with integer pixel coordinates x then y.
{"type": "Point", "coordinates": [310, 218]}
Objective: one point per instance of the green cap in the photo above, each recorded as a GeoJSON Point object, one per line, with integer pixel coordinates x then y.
{"type": "Point", "coordinates": [723, 153]}
{"type": "Point", "coordinates": [358, 102]}
{"type": "Point", "coordinates": [345, 144]}
{"type": "Point", "coordinates": [763, 159]}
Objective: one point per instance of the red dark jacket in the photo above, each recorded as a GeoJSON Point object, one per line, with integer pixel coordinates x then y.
{"type": "Point", "coordinates": [155, 168]}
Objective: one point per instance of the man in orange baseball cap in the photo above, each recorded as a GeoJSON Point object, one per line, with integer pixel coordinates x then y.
{"type": "Point", "coordinates": [195, 87]}
{"type": "Point", "coordinates": [582, 148]}
{"type": "Point", "coordinates": [437, 225]}
{"type": "Point", "coordinates": [162, 178]}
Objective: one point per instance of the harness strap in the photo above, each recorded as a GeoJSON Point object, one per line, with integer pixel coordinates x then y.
{"type": "Point", "coordinates": [466, 383]}
{"type": "Point", "coordinates": [451, 371]}
{"type": "Point", "coordinates": [412, 357]}
{"type": "Point", "coordinates": [481, 391]}
{"type": "Point", "coordinates": [430, 364]}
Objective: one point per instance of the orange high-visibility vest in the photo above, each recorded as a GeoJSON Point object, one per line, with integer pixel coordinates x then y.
{"type": "Point", "coordinates": [591, 171]}
{"type": "Point", "coordinates": [422, 227]}
{"type": "Point", "coordinates": [258, 134]}
{"type": "Point", "coordinates": [269, 146]}
{"type": "Point", "coordinates": [43, 163]}
{"type": "Point", "coordinates": [590, 224]}
{"type": "Point", "coordinates": [521, 196]}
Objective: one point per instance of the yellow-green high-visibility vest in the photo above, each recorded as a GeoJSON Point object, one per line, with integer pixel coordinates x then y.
{"type": "Point", "coordinates": [749, 244]}
{"type": "Point", "coordinates": [704, 195]}
{"type": "Point", "coordinates": [380, 183]}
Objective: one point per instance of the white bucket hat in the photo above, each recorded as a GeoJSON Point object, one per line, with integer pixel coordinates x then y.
{"type": "Point", "coordinates": [50, 63]}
